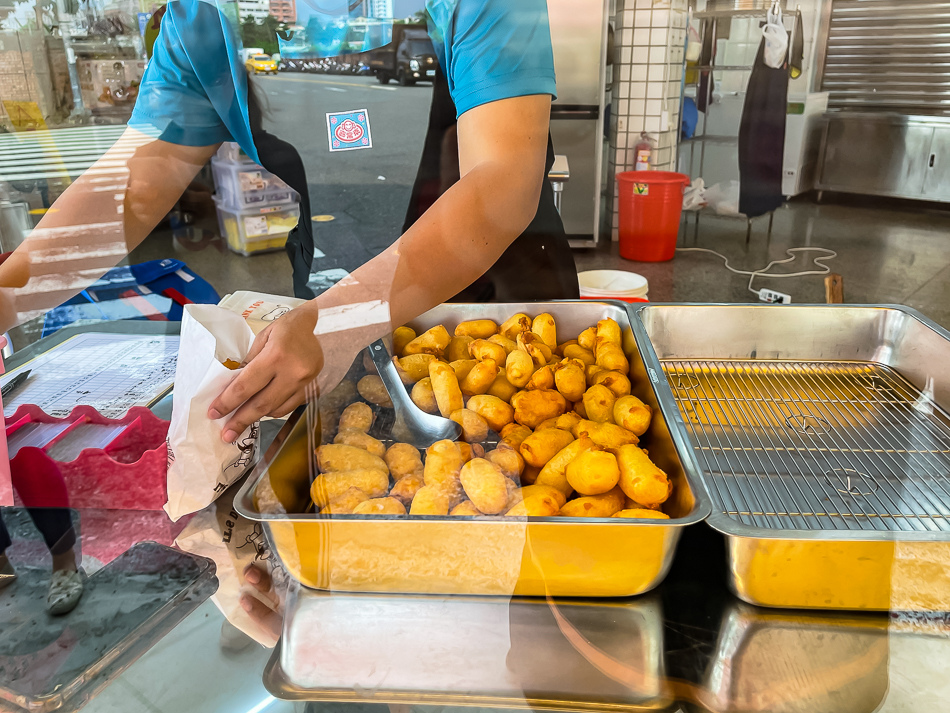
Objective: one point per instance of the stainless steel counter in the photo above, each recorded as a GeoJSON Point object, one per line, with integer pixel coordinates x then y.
{"type": "Point", "coordinates": [886, 155]}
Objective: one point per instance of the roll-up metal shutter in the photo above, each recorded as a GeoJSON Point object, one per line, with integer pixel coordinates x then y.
{"type": "Point", "coordinates": [888, 55]}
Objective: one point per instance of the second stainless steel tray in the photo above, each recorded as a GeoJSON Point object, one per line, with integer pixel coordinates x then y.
{"type": "Point", "coordinates": [823, 443]}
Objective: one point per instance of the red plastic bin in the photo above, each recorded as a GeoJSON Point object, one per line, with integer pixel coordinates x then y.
{"type": "Point", "coordinates": [651, 204]}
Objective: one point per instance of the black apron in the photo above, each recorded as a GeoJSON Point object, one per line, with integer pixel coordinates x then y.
{"type": "Point", "coordinates": [282, 159]}
{"type": "Point", "coordinates": [537, 266]}
{"type": "Point", "coordinates": [762, 138]}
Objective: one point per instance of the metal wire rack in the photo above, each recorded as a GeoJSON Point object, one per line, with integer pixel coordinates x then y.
{"type": "Point", "coordinates": [817, 445]}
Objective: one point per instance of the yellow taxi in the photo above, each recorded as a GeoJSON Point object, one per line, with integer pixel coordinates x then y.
{"type": "Point", "coordinates": [258, 63]}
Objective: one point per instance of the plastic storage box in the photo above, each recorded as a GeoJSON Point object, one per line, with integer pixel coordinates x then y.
{"type": "Point", "coordinates": [244, 185]}
{"type": "Point", "coordinates": [256, 229]}
{"type": "Point", "coordinates": [232, 151]}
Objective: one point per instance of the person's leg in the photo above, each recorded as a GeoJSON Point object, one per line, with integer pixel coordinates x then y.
{"type": "Point", "coordinates": [56, 526]}
{"type": "Point", "coordinates": [40, 485]}
{"type": "Point", "coordinates": [66, 584]}
{"type": "Point", "coordinates": [5, 541]}
{"type": "Point", "coordinates": [7, 574]}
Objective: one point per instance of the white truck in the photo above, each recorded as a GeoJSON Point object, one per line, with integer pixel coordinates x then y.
{"type": "Point", "coordinates": [250, 52]}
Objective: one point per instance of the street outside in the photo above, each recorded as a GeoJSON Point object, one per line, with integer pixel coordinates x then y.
{"type": "Point", "coordinates": [366, 192]}
{"type": "Point", "coordinates": [358, 197]}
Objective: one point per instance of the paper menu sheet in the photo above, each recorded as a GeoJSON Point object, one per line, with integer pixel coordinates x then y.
{"type": "Point", "coordinates": [110, 372]}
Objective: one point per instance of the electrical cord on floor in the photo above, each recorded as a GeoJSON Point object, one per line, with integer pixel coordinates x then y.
{"type": "Point", "coordinates": [791, 252]}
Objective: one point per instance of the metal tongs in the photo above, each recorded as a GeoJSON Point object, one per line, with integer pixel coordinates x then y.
{"type": "Point", "coordinates": [412, 425]}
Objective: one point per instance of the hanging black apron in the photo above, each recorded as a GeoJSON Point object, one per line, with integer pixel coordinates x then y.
{"type": "Point", "coordinates": [762, 138]}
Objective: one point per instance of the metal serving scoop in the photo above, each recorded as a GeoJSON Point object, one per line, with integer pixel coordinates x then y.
{"type": "Point", "coordinates": [412, 425]}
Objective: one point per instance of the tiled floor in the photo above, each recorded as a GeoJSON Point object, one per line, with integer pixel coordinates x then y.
{"type": "Point", "coordinates": [888, 252]}
{"type": "Point", "coordinates": [891, 253]}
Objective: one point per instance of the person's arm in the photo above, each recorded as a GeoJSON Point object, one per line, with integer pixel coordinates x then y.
{"type": "Point", "coordinates": [99, 219]}
{"type": "Point", "coordinates": [502, 149]}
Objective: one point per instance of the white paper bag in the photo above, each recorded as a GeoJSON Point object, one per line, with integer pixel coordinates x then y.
{"type": "Point", "coordinates": [233, 542]}
{"type": "Point", "coordinates": [259, 309]}
{"type": "Point", "coordinates": [200, 465]}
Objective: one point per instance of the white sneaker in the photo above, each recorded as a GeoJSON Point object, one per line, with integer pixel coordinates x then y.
{"type": "Point", "coordinates": [7, 575]}
{"type": "Point", "coordinates": [65, 591]}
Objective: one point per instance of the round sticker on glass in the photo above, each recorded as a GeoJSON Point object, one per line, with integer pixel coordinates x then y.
{"type": "Point", "coordinates": [348, 130]}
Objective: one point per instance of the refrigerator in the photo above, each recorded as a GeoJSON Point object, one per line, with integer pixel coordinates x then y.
{"type": "Point", "coordinates": [579, 38]}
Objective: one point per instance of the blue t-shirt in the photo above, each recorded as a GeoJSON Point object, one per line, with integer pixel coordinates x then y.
{"type": "Point", "coordinates": [194, 91]}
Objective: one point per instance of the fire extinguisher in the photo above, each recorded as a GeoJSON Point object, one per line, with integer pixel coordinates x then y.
{"type": "Point", "coordinates": [644, 151]}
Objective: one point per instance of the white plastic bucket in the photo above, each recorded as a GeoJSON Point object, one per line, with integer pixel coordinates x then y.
{"type": "Point", "coordinates": [612, 284]}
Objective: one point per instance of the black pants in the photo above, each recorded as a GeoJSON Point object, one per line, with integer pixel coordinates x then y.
{"type": "Point", "coordinates": [54, 524]}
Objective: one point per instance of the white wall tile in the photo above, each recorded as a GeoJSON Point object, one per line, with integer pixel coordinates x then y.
{"type": "Point", "coordinates": [642, 18]}
{"type": "Point", "coordinates": [654, 107]}
{"type": "Point", "coordinates": [656, 90]}
{"type": "Point", "coordinates": [638, 90]}
{"type": "Point", "coordinates": [626, 54]}
{"type": "Point", "coordinates": [639, 72]}
{"type": "Point", "coordinates": [627, 36]}
{"type": "Point", "coordinates": [641, 55]}
{"type": "Point", "coordinates": [625, 73]}
{"type": "Point", "coordinates": [638, 107]}
{"type": "Point", "coordinates": [657, 72]}
{"type": "Point", "coordinates": [661, 18]}
{"type": "Point", "coordinates": [657, 55]}
{"type": "Point", "coordinates": [660, 36]}
{"type": "Point", "coordinates": [641, 36]}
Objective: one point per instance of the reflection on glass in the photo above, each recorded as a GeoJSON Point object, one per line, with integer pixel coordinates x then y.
{"type": "Point", "coordinates": [52, 663]}
{"type": "Point", "coordinates": [66, 582]}
{"type": "Point", "coordinates": [40, 485]}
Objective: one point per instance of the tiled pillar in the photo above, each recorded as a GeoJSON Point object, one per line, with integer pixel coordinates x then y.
{"type": "Point", "coordinates": [649, 38]}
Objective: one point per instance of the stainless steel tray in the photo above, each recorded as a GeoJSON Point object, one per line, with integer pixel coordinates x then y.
{"type": "Point", "coordinates": [824, 444]}
{"type": "Point", "coordinates": [472, 651]}
{"type": "Point", "coordinates": [558, 556]}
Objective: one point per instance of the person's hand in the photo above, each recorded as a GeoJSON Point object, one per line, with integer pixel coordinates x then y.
{"type": "Point", "coordinates": [267, 616]}
{"type": "Point", "coordinates": [283, 362]}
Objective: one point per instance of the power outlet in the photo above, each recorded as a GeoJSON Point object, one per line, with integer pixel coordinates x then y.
{"type": "Point", "coordinates": [773, 297]}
